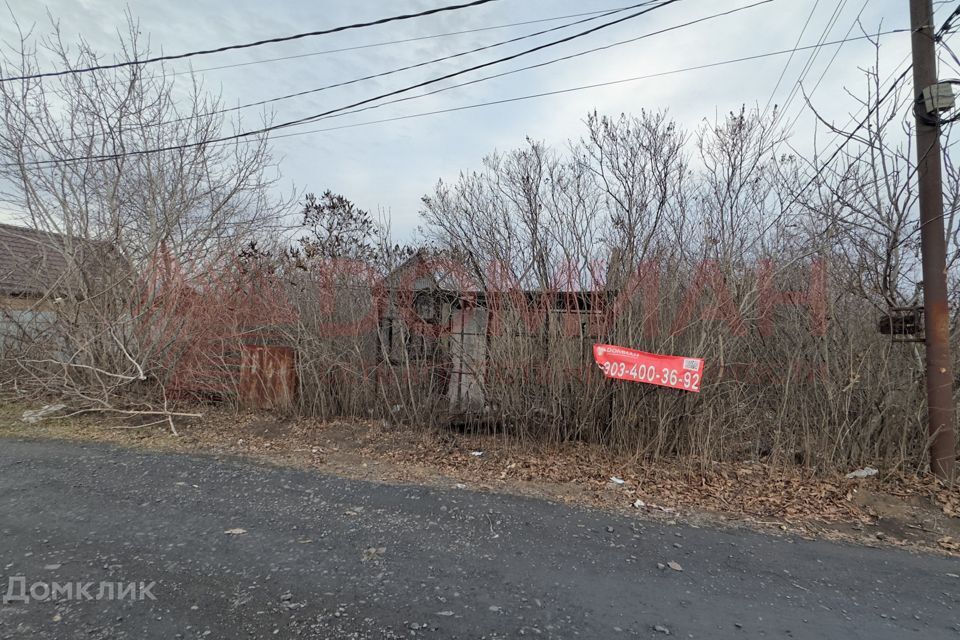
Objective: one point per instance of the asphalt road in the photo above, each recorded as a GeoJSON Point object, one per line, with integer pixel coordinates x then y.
{"type": "Point", "coordinates": [324, 557]}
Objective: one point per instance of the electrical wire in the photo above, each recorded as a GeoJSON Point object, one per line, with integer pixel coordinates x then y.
{"type": "Point", "coordinates": [852, 134]}
{"type": "Point", "coordinates": [483, 79]}
{"type": "Point", "coordinates": [385, 43]}
{"type": "Point", "coordinates": [553, 61]}
{"type": "Point", "coordinates": [234, 47]}
{"type": "Point", "coordinates": [649, 76]}
{"type": "Point", "coordinates": [798, 85]}
{"type": "Point", "coordinates": [700, 67]}
{"type": "Point", "coordinates": [942, 32]}
{"type": "Point", "coordinates": [417, 65]}
{"type": "Point", "coordinates": [947, 24]}
{"type": "Point", "coordinates": [826, 69]}
{"type": "Point", "coordinates": [814, 55]}
{"type": "Point", "coordinates": [786, 66]}
{"type": "Point", "coordinates": [388, 94]}
{"type": "Point", "coordinates": [936, 119]}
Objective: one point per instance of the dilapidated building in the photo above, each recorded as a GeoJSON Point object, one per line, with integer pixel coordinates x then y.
{"type": "Point", "coordinates": [472, 341]}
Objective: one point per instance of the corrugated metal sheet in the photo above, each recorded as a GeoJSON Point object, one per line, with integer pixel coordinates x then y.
{"type": "Point", "coordinates": [268, 377]}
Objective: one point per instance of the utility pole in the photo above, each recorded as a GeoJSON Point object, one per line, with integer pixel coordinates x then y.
{"type": "Point", "coordinates": [940, 410]}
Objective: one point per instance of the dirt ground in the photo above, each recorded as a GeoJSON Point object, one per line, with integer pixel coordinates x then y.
{"type": "Point", "coordinates": [911, 512]}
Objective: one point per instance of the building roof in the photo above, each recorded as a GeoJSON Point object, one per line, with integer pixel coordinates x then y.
{"type": "Point", "coordinates": [32, 262]}
{"type": "Point", "coordinates": [446, 279]}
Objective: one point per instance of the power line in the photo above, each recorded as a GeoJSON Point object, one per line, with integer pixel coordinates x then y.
{"type": "Point", "coordinates": [850, 136]}
{"type": "Point", "coordinates": [597, 85]}
{"type": "Point", "coordinates": [392, 42]}
{"type": "Point", "coordinates": [786, 66]}
{"type": "Point", "coordinates": [388, 94]}
{"type": "Point", "coordinates": [806, 70]}
{"type": "Point", "coordinates": [948, 24]}
{"type": "Point", "coordinates": [553, 61]}
{"type": "Point", "coordinates": [814, 55]}
{"type": "Point", "coordinates": [233, 47]}
{"type": "Point", "coordinates": [700, 67]}
{"type": "Point", "coordinates": [384, 43]}
{"type": "Point", "coordinates": [423, 64]}
{"type": "Point", "coordinates": [563, 91]}
{"type": "Point", "coordinates": [455, 86]}
{"type": "Point", "coordinates": [943, 31]}
{"type": "Point", "coordinates": [823, 74]}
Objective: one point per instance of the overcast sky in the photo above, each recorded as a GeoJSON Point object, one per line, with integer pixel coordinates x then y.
{"type": "Point", "coordinates": [391, 165]}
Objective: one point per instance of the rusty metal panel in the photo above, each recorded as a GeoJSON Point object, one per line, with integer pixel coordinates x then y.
{"type": "Point", "coordinates": [268, 377]}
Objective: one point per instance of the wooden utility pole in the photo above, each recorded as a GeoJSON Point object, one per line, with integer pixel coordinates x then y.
{"type": "Point", "coordinates": [940, 409]}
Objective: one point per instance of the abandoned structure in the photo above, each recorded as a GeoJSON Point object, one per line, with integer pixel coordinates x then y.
{"type": "Point", "coordinates": [32, 263]}
{"type": "Point", "coordinates": [471, 341]}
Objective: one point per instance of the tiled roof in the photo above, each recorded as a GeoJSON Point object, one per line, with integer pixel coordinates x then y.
{"type": "Point", "coordinates": [31, 261]}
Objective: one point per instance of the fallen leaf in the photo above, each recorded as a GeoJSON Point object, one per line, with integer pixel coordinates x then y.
{"type": "Point", "coordinates": [949, 543]}
{"type": "Point", "coordinates": [675, 566]}
{"type": "Point", "coordinates": [235, 532]}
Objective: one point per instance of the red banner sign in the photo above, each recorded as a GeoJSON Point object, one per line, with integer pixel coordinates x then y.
{"type": "Point", "coordinates": [675, 372]}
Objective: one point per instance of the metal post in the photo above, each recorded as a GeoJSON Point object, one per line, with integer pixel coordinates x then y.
{"type": "Point", "coordinates": [940, 408]}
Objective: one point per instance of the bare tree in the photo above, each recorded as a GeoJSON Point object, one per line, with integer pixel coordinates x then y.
{"type": "Point", "coordinates": [134, 172]}
{"type": "Point", "coordinates": [717, 245]}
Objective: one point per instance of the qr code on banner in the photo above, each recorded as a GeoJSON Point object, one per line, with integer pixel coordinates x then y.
{"type": "Point", "coordinates": [691, 364]}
